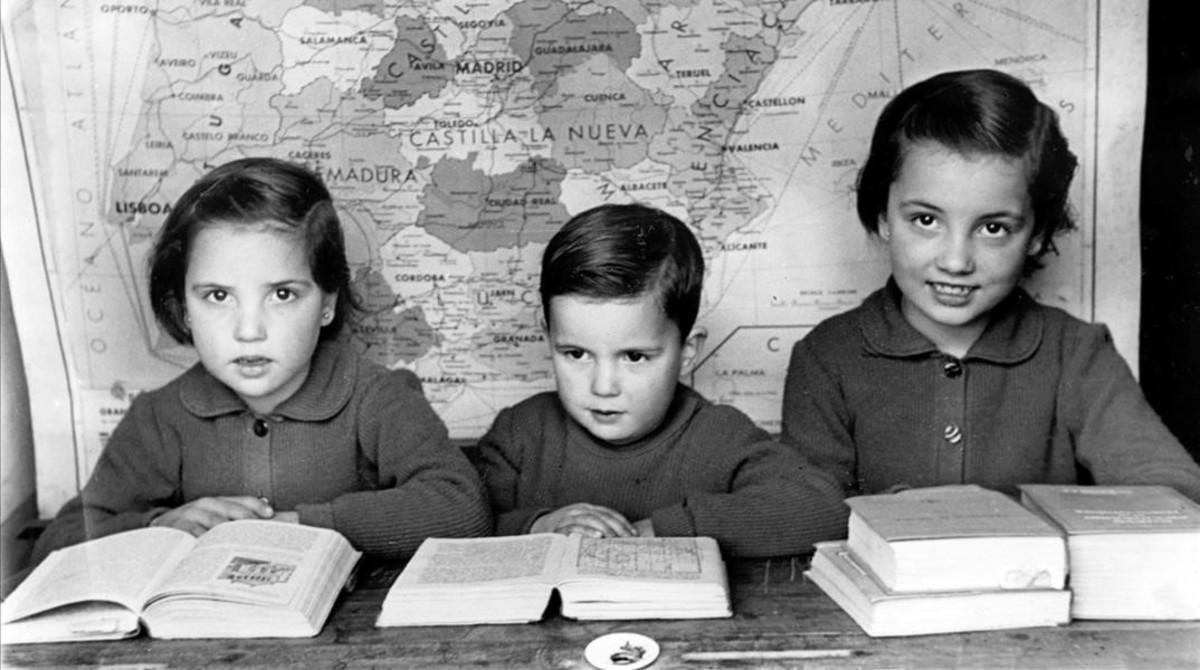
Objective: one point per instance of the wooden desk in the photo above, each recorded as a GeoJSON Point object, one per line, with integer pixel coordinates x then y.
{"type": "Point", "coordinates": [775, 609]}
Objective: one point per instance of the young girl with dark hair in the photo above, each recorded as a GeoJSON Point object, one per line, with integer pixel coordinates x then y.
{"type": "Point", "coordinates": [279, 419]}
{"type": "Point", "coordinates": [951, 373]}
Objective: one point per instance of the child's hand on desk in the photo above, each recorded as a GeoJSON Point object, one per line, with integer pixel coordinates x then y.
{"type": "Point", "coordinates": [644, 527]}
{"type": "Point", "coordinates": [586, 519]}
{"type": "Point", "coordinates": [202, 514]}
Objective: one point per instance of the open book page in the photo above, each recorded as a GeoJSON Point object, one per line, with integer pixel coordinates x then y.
{"type": "Point", "coordinates": [250, 561]}
{"type": "Point", "coordinates": [516, 558]}
{"type": "Point", "coordinates": [479, 580]}
{"type": "Point", "coordinates": [123, 568]}
{"type": "Point", "coordinates": [663, 559]}
{"type": "Point", "coordinates": [510, 579]}
{"type": "Point", "coordinates": [644, 578]}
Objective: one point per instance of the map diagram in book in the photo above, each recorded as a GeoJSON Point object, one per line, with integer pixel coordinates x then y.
{"type": "Point", "coordinates": [457, 136]}
{"type": "Point", "coordinates": [671, 558]}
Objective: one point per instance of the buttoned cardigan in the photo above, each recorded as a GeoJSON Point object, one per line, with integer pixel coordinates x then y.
{"type": "Point", "coordinates": [1041, 397]}
{"type": "Point", "coordinates": [357, 448]}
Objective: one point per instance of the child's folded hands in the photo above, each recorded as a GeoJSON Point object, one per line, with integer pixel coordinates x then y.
{"type": "Point", "coordinates": [586, 519]}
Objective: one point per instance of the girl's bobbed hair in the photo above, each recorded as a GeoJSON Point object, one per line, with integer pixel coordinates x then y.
{"type": "Point", "coordinates": [974, 112]}
{"type": "Point", "coordinates": [280, 195]}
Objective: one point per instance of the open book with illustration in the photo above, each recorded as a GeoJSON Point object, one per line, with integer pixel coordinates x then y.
{"type": "Point", "coordinates": [240, 579]}
{"type": "Point", "coordinates": [511, 580]}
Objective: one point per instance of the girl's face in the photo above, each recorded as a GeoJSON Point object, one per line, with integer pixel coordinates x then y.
{"type": "Point", "coordinates": [254, 310]}
{"type": "Point", "coordinates": [958, 229]}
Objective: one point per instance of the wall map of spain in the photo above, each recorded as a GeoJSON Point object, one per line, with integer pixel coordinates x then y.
{"type": "Point", "coordinates": [458, 135]}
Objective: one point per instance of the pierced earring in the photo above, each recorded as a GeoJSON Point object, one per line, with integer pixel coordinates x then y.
{"type": "Point", "coordinates": [327, 316]}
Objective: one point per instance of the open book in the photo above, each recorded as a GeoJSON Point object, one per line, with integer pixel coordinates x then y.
{"type": "Point", "coordinates": [240, 579]}
{"type": "Point", "coordinates": [511, 579]}
{"type": "Point", "coordinates": [881, 612]}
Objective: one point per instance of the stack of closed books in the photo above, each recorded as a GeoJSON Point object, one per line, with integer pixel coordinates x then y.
{"type": "Point", "coordinates": [945, 559]}
{"type": "Point", "coordinates": [1134, 551]}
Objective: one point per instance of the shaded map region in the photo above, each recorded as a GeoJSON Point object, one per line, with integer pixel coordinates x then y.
{"type": "Point", "coordinates": [473, 211]}
{"type": "Point", "coordinates": [383, 333]}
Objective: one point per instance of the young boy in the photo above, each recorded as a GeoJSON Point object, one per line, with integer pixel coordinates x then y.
{"type": "Point", "coordinates": [623, 448]}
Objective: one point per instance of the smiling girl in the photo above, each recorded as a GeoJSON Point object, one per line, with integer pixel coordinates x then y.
{"type": "Point", "coordinates": [952, 373]}
{"type": "Point", "coordinates": [279, 419]}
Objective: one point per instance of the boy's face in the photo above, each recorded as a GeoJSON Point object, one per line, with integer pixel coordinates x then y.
{"type": "Point", "coordinates": [958, 229]}
{"type": "Point", "coordinates": [254, 310]}
{"type": "Point", "coordinates": [616, 363]}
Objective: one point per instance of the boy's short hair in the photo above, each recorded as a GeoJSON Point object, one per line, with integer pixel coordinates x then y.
{"type": "Point", "coordinates": [615, 252]}
{"type": "Point", "coordinates": [974, 112]}
{"type": "Point", "coordinates": [285, 197]}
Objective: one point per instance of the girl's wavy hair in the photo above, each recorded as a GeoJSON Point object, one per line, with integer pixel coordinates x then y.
{"type": "Point", "coordinates": [975, 112]}
{"type": "Point", "coordinates": [280, 195]}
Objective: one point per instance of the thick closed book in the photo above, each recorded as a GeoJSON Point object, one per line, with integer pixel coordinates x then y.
{"type": "Point", "coordinates": [884, 613]}
{"type": "Point", "coordinates": [511, 579]}
{"type": "Point", "coordinates": [1134, 550]}
{"type": "Point", "coordinates": [947, 538]}
{"type": "Point", "coordinates": [240, 579]}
